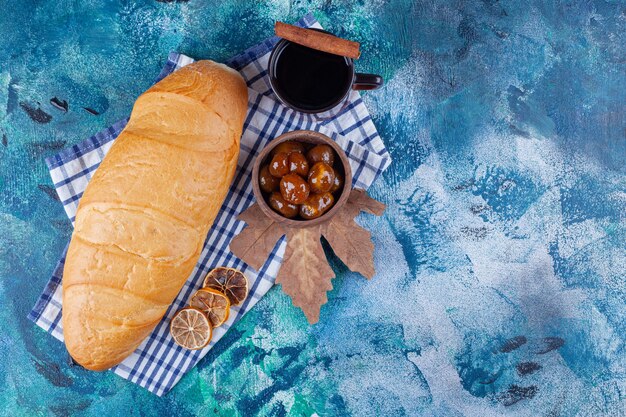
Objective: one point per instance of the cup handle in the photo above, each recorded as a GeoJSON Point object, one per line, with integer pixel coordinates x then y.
{"type": "Point", "coordinates": [367, 81]}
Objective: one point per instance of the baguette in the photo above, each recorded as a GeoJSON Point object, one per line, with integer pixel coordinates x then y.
{"type": "Point", "coordinates": [143, 219]}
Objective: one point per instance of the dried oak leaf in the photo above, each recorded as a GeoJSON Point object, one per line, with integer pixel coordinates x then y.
{"type": "Point", "coordinates": [350, 242]}
{"type": "Point", "coordinates": [359, 201]}
{"type": "Point", "coordinates": [255, 243]}
{"type": "Point", "coordinates": [305, 274]}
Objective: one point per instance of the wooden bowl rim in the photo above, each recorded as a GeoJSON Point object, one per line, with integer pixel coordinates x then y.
{"type": "Point", "coordinates": [308, 136]}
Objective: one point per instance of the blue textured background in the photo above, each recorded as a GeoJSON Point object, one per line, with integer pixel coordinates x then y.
{"type": "Point", "coordinates": [502, 256]}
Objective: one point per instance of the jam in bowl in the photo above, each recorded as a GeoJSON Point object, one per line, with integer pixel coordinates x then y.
{"type": "Point", "coordinates": [301, 178]}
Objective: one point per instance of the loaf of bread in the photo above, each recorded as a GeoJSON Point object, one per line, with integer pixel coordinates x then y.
{"type": "Point", "coordinates": [146, 212]}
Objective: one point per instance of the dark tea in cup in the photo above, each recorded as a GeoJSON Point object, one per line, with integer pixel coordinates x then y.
{"type": "Point", "coordinates": [313, 81]}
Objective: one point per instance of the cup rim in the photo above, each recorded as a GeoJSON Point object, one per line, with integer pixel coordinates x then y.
{"type": "Point", "coordinates": [309, 136]}
{"type": "Point", "coordinates": [270, 69]}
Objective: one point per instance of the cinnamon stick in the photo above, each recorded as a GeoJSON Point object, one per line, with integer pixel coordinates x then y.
{"type": "Point", "coordinates": [318, 40]}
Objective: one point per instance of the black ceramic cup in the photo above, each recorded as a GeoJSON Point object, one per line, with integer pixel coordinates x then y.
{"type": "Point", "coordinates": [312, 81]}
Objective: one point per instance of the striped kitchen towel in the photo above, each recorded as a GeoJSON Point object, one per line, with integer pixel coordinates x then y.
{"type": "Point", "coordinates": [158, 363]}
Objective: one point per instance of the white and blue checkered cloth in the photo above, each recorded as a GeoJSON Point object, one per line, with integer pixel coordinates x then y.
{"type": "Point", "coordinates": [158, 363]}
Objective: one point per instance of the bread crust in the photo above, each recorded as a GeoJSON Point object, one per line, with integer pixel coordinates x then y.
{"type": "Point", "coordinates": [143, 218]}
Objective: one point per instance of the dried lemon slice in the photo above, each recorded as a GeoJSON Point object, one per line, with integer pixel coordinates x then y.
{"type": "Point", "coordinates": [229, 281]}
{"type": "Point", "coordinates": [213, 303]}
{"type": "Point", "coordinates": [191, 328]}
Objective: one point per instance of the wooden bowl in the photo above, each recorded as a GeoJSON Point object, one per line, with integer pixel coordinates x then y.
{"type": "Point", "coordinates": [304, 136]}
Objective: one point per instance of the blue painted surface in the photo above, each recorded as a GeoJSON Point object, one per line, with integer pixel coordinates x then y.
{"type": "Point", "coordinates": [501, 259]}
